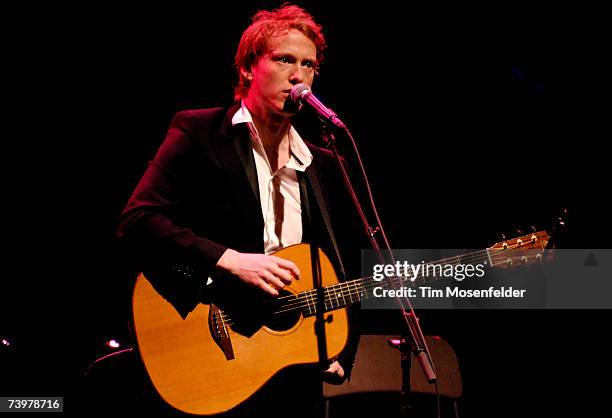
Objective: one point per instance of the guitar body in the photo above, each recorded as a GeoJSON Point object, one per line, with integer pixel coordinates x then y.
{"type": "Point", "coordinates": [201, 365]}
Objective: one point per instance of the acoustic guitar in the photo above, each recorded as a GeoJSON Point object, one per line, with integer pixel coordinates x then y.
{"type": "Point", "coordinates": [221, 353]}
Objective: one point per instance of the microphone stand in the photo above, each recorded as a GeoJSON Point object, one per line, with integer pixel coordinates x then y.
{"type": "Point", "coordinates": [415, 341]}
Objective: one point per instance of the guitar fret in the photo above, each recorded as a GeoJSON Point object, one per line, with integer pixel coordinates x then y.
{"type": "Point", "coordinates": [352, 287]}
{"type": "Point", "coordinates": [356, 291]}
{"type": "Point", "coordinates": [313, 302]}
{"type": "Point", "coordinates": [306, 300]}
{"type": "Point", "coordinates": [310, 306]}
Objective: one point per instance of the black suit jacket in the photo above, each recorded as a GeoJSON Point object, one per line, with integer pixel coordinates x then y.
{"type": "Point", "coordinates": [199, 196]}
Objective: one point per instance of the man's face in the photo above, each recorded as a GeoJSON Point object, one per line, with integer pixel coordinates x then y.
{"type": "Point", "coordinates": [291, 59]}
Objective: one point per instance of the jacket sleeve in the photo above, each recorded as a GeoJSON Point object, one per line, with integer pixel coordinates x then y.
{"type": "Point", "coordinates": [149, 228]}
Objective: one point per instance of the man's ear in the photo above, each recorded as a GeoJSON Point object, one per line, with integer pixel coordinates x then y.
{"type": "Point", "coordinates": [246, 73]}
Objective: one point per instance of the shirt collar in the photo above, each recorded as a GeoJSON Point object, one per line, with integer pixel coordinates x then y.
{"type": "Point", "coordinates": [298, 148]}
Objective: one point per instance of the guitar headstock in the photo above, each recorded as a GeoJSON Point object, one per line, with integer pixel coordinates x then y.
{"type": "Point", "coordinates": [526, 249]}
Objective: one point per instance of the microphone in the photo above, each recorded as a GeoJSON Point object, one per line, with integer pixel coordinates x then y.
{"type": "Point", "coordinates": [301, 93]}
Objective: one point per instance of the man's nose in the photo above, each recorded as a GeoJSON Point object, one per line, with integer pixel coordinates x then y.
{"type": "Point", "coordinates": [297, 75]}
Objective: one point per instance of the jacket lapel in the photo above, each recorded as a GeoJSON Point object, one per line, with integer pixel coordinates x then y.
{"type": "Point", "coordinates": [233, 147]}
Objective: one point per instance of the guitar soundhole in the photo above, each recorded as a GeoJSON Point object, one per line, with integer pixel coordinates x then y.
{"type": "Point", "coordinates": [286, 314]}
{"type": "Point", "coordinates": [254, 310]}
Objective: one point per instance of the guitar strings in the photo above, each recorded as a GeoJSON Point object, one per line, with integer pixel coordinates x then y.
{"type": "Point", "coordinates": [348, 289]}
{"type": "Point", "coordinates": [356, 287]}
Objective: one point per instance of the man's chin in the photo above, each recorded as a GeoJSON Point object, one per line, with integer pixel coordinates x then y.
{"type": "Point", "coordinates": [291, 107]}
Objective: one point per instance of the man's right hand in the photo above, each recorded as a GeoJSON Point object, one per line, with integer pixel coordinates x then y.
{"type": "Point", "coordinates": [268, 272]}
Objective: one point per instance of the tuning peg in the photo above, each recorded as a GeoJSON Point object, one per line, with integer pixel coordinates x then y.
{"type": "Point", "coordinates": [533, 237]}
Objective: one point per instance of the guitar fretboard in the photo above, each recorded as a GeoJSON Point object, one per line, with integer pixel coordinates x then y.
{"type": "Point", "coordinates": [344, 294]}
{"type": "Point", "coordinates": [341, 295]}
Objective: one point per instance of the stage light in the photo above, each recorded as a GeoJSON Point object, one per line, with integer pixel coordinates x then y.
{"type": "Point", "coordinates": [112, 343]}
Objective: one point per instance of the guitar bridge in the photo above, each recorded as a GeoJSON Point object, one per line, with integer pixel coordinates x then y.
{"type": "Point", "coordinates": [219, 330]}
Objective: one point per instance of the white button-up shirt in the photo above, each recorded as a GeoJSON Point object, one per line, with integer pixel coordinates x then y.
{"type": "Point", "coordinates": [279, 192]}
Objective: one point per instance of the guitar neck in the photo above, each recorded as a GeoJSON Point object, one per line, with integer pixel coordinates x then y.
{"type": "Point", "coordinates": [502, 254]}
{"type": "Point", "coordinates": [342, 295]}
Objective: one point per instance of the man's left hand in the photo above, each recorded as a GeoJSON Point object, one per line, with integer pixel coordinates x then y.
{"type": "Point", "coordinates": [334, 374]}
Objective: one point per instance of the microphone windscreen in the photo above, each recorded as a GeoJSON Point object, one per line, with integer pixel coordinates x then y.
{"type": "Point", "coordinates": [297, 91]}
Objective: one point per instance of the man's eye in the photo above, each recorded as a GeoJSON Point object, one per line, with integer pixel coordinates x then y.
{"type": "Point", "coordinates": [309, 64]}
{"type": "Point", "coordinates": [284, 60]}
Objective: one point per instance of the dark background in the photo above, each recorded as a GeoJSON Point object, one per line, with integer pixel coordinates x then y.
{"type": "Point", "coordinates": [471, 123]}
